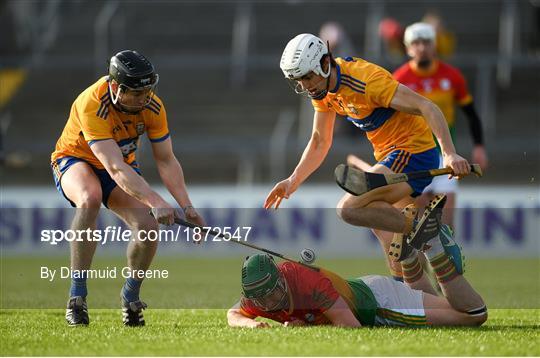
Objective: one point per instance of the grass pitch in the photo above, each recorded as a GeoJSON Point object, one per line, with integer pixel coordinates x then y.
{"type": "Point", "coordinates": [187, 315]}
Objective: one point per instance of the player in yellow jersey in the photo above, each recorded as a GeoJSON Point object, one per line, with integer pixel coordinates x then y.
{"type": "Point", "coordinates": [94, 162]}
{"type": "Point", "coordinates": [398, 122]}
{"type": "Point", "coordinates": [446, 87]}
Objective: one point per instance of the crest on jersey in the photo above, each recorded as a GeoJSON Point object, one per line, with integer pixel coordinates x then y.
{"type": "Point", "coordinates": [140, 128]}
{"type": "Point", "coordinates": [444, 84]}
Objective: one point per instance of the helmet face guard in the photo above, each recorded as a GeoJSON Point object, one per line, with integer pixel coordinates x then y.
{"type": "Point", "coordinates": [275, 299]}
{"type": "Point", "coordinates": [263, 284]}
{"type": "Point", "coordinates": [125, 96]}
{"type": "Point", "coordinates": [298, 89]}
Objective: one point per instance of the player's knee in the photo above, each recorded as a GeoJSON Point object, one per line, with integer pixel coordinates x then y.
{"type": "Point", "coordinates": [347, 214]}
{"type": "Point", "coordinates": [89, 199]}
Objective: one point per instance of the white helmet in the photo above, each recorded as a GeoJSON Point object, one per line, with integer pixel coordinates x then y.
{"type": "Point", "coordinates": [419, 30]}
{"type": "Point", "coordinates": [302, 55]}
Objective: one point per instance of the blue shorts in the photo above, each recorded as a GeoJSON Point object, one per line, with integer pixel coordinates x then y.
{"type": "Point", "coordinates": [400, 161]}
{"type": "Point", "coordinates": [61, 165]}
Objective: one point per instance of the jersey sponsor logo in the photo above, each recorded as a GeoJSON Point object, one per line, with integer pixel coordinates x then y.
{"type": "Point", "coordinates": [128, 146]}
{"type": "Point", "coordinates": [140, 128]}
{"type": "Point", "coordinates": [376, 119]}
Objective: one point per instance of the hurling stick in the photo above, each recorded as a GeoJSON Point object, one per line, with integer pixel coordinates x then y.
{"type": "Point", "coordinates": [358, 182]}
{"type": "Point", "coordinates": [228, 238]}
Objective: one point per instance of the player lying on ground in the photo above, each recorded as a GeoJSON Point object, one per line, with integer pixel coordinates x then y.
{"type": "Point", "coordinates": [295, 295]}
{"type": "Point", "coordinates": [399, 123]}
{"type": "Point", "coordinates": [94, 162]}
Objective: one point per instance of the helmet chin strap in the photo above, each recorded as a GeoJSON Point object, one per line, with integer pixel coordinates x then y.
{"type": "Point", "coordinates": [323, 92]}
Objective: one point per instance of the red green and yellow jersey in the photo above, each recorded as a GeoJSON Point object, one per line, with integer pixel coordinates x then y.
{"type": "Point", "coordinates": [363, 94]}
{"type": "Point", "coordinates": [93, 118]}
{"type": "Point", "coordinates": [443, 84]}
{"type": "Point", "coordinates": [311, 293]}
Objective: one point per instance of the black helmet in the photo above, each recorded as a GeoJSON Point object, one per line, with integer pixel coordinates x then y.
{"type": "Point", "coordinates": [132, 71]}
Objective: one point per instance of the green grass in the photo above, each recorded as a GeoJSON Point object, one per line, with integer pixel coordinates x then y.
{"type": "Point", "coordinates": [204, 332]}
{"type": "Point", "coordinates": [187, 315]}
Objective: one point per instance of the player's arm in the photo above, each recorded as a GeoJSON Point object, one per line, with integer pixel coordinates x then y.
{"type": "Point", "coordinates": [479, 152]}
{"type": "Point", "coordinates": [341, 315]}
{"type": "Point", "coordinates": [237, 318]}
{"type": "Point", "coordinates": [109, 154]}
{"type": "Point", "coordinates": [316, 149]}
{"type": "Point", "coordinates": [172, 175]}
{"type": "Point", "coordinates": [406, 100]}
{"type": "Point", "coordinates": [313, 156]}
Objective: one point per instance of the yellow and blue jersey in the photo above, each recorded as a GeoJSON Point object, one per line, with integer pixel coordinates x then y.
{"type": "Point", "coordinates": [363, 94]}
{"type": "Point", "coordinates": [93, 118]}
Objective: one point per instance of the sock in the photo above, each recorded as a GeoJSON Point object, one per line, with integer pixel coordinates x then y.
{"type": "Point", "coordinates": [478, 311]}
{"type": "Point", "coordinates": [435, 248]}
{"type": "Point", "coordinates": [445, 270]}
{"type": "Point", "coordinates": [130, 290]}
{"type": "Point", "coordinates": [412, 269]}
{"type": "Point", "coordinates": [78, 287]}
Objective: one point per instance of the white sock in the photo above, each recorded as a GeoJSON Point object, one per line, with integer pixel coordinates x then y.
{"type": "Point", "coordinates": [435, 249]}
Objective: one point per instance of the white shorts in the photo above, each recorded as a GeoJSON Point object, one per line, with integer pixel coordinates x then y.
{"type": "Point", "coordinates": [397, 303]}
{"type": "Point", "coordinates": [441, 184]}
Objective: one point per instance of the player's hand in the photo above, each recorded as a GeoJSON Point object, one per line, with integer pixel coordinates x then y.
{"type": "Point", "coordinates": [459, 165]}
{"type": "Point", "coordinates": [257, 324]}
{"type": "Point", "coordinates": [479, 156]}
{"type": "Point", "coordinates": [193, 216]}
{"type": "Point", "coordinates": [281, 191]}
{"type": "Point", "coordinates": [294, 323]}
{"type": "Point", "coordinates": [164, 215]}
